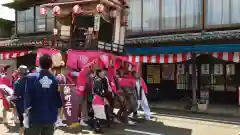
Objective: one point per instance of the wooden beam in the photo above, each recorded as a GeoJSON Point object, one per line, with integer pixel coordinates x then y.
{"type": "Point", "coordinates": [67, 3]}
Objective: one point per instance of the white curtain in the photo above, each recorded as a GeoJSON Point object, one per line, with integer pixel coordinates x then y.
{"type": "Point", "coordinates": [223, 12]}
{"type": "Point", "coordinates": [151, 14]}
{"type": "Point", "coordinates": [191, 11]}
{"type": "Point", "coordinates": [235, 11]}
{"type": "Point", "coordinates": [135, 16]}
{"type": "Point", "coordinates": [170, 14]}
{"type": "Point", "coordinates": [180, 14]}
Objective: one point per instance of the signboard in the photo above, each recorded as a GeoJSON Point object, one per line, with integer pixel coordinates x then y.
{"type": "Point", "coordinates": [70, 103]}
{"type": "Point", "coordinates": [205, 69]}
{"type": "Point", "coordinates": [97, 19]}
{"type": "Point", "coordinates": [168, 71]}
{"type": "Point", "coordinates": [204, 96]}
{"type": "Point", "coordinates": [230, 69]}
{"type": "Point", "coordinates": [218, 69]}
{"type": "Point", "coordinates": [180, 68]}
{"type": "Point", "coordinates": [114, 47]}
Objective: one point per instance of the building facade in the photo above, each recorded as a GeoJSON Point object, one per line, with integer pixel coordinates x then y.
{"type": "Point", "coordinates": [66, 24]}
{"type": "Point", "coordinates": [32, 30]}
{"type": "Point", "coordinates": [187, 47]}
{"type": "Point", "coordinates": [6, 31]}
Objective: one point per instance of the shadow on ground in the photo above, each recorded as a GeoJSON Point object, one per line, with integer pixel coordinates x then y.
{"type": "Point", "coordinates": [196, 116]}
{"type": "Point", "coordinates": [147, 128]}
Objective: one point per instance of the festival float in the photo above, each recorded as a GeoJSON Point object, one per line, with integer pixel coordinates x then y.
{"type": "Point", "coordinates": [87, 34]}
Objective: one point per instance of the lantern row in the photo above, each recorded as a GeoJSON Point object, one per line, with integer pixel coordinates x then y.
{"type": "Point", "coordinates": [76, 10]}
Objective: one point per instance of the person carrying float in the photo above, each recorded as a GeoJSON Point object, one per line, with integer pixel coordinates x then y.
{"type": "Point", "coordinates": [99, 101]}
{"type": "Point", "coordinates": [19, 94]}
{"type": "Point", "coordinates": [141, 90]}
{"type": "Point", "coordinates": [126, 97]}
{"type": "Point", "coordinates": [6, 91]}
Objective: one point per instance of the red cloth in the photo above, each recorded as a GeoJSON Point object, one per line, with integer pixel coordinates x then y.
{"type": "Point", "coordinates": [6, 104]}
{"type": "Point", "coordinates": [97, 100]}
{"type": "Point", "coordinates": [5, 80]}
{"type": "Point", "coordinates": [113, 86]}
{"type": "Point", "coordinates": [127, 82]}
{"type": "Point", "coordinates": [82, 81]}
{"type": "Point", "coordinates": [144, 86]}
{"type": "Point", "coordinates": [42, 51]}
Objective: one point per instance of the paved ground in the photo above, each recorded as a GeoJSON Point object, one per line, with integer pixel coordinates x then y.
{"type": "Point", "coordinates": [162, 123]}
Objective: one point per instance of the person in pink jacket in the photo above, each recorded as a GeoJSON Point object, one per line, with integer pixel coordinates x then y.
{"type": "Point", "coordinates": [142, 90]}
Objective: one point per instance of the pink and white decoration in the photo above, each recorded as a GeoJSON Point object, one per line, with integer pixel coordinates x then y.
{"type": "Point", "coordinates": [13, 54]}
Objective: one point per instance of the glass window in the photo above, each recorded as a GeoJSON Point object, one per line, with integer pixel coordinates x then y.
{"type": "Point", "coordinates": [230, 77]}
{"type": "Point", "coordinates": [180, 14]}
{"type": "Point", "coordinates": [164, 14]}
{"type": "Point", "coordinates": [135, 15]}
{"type": "Point", "coordinates": [151, 17]}
{"type": "Point", "coordinates": [205, 77]}
{"type": "Point", "coordinates": [190, 76]}
{"type": "Point", "coordinates": [44, 22]}
{"type": "Point", "coordinates": [218, 78]}
{"type": "Point", "coordinates": [222, 12]}
{"type": "Point", "coordinates": [25, 21]}
{"type": "Point", "coordinates": [168, 71]}
{"type": "Point", "coordinates": [153, 73]}
{"type": "Point", "coordinates": [50, 22]}
{"type": "Point", "coordinates": [181, 77]}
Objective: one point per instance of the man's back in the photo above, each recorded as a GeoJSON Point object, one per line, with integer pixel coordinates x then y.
{"type": "Point", "coordinates": [44, 98]}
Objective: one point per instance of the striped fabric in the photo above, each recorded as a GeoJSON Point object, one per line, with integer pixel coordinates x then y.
{"type": "Point", "coordinates": [175, 58]}
{"type": "Point", "coordinates": [13, 54]}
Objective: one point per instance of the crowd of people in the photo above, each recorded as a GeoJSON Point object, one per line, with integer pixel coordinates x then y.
{"type": "Point", "coordinates": [37, 102]}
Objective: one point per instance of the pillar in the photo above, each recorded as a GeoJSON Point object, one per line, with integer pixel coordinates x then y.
{"type": "Point", "coordinates": [117, 29]}
{"type": "Point", "coordinates": [122, 34]}
{"type": "Point", "coordinates": [194, 79]}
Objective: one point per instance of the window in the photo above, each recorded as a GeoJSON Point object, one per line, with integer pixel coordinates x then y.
{"type": "Point", "coordinates": [218, 77]}
{"type": "Point", "coordinates": [230, 77]}
{"type": "Point", "coordinates": [151, 17]}
{"type": "Point", "coordinates": [135, 16]}
{"type": "Point", "coordinates": [153, 74]}
{"type": "Point", "coordinates": [205, 78]}
{"type": "Point", "coordinates": [25, 21]}
{"type": "Point", "coordinates": [164, 14]}
{"type": "Point", "coordinates": [168, 71]}
{"type": "Point", "coordinates": [219, 12]}
{"type": "Point", "coordinates": [44, 22]}
{"type": "Point", "coordinates": [190, 76]}
{"type": "Point", "coordinates": [181, 77]}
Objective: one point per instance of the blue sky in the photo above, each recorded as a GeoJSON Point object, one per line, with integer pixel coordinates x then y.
{"type": "Point", "coordinates": [6, 13]}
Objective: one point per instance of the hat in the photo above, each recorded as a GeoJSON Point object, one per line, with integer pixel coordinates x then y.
{"type": "Point", "coordinates": [23, 67]}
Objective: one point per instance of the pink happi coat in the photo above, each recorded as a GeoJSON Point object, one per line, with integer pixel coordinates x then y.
{"type": "Point", "coordinates": [127, 82]}
{"type": "Point", "coordinates": [4, 80]}
{"type": "Point", "coordinates": [144, 85]}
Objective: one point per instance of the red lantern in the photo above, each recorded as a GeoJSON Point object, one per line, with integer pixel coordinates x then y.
{"type": "Point", "coordinates": [43, 11]}
{"type": "Point", "coordinates": [56, 10]}
{"type": "Point", "coordinates": [77, 9]}
{"type": "Point", "coordinates": [100, 8]}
